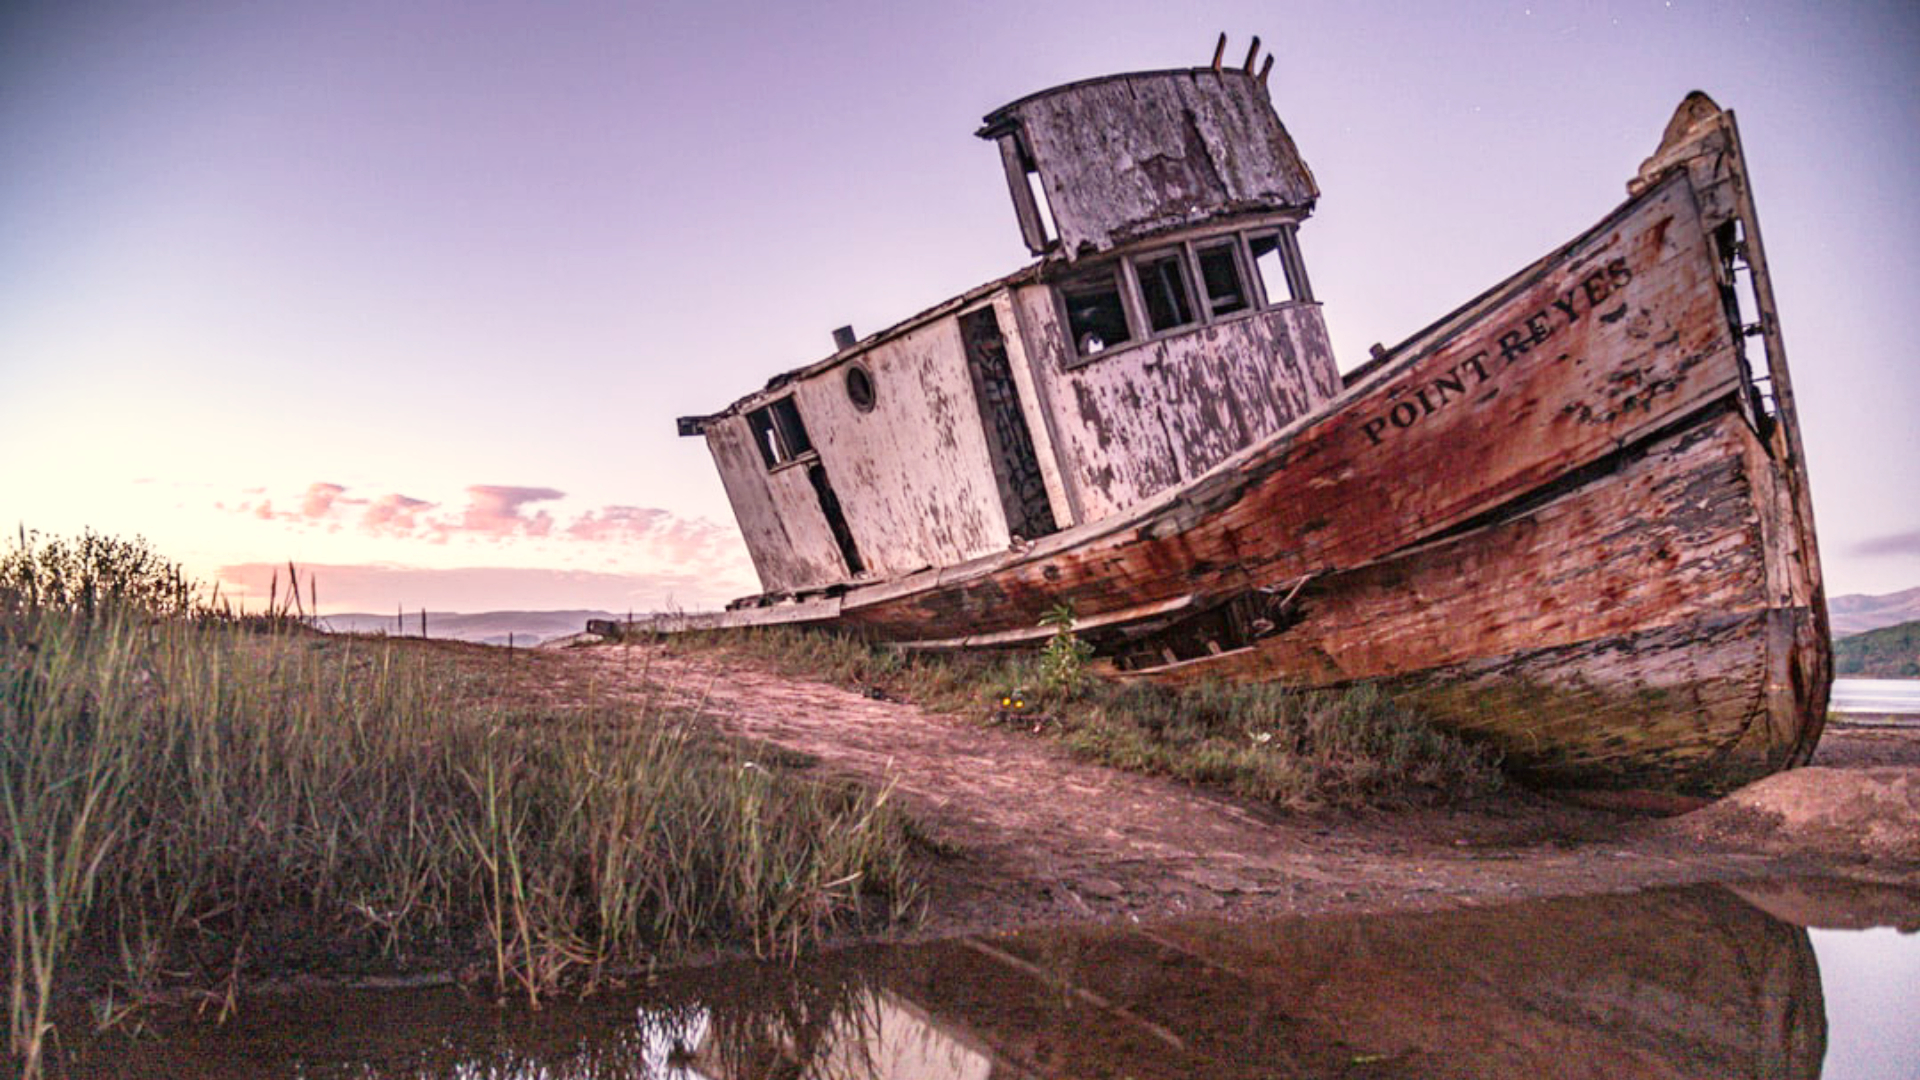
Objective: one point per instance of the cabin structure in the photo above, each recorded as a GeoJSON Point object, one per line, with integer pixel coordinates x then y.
{"type": "Point", "coordinates": [1167, 324]}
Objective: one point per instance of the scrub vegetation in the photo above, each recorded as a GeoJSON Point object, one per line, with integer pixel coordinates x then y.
{"type": "Point", "coordinates": [1298, 749]}
{"type": "Point", "coordinates": [1891, 652]}
{"type": "Point", "coordinates": [191, 797]}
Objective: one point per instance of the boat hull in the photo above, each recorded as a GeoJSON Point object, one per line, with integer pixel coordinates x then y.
{"type": "Point", "coordinates": [1569, 519]}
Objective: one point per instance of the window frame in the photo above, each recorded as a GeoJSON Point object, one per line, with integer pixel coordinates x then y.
{"type": "Point", "coordinates": [1235, 245]}
{"type": "Point", "coordinates": [1116, 271]}
{"type": "Point", "coordinates": [1126, 268]}
{"type": "Point", "coordinates": [773, 419]}
{"type": "Point", "coordinates": [1182, 258]}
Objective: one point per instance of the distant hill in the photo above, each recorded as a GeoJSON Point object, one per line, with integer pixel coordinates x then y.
{"type": "Point", "coordinates": [1857, 613]}
{"type": "Point", "coordinates": [1891, 652]}
{"type": "Point", "coordinates": [487, 627]}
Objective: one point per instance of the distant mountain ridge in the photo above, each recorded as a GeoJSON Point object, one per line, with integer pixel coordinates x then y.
{"type": "Point", "coordinates": [1890, 652]}
{"type": "Point", "coordinates": [1857, 613]}
{"type": "Point", "coordinates": [486, 627]}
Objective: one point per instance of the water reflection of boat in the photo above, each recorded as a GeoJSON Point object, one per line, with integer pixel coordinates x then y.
{"type": "Point", "coordinates": [1674, 983]}
{"type": "Point", "coordinates": [1680, 983]}
{"type": "Point", "coordinates": [1570, 518]}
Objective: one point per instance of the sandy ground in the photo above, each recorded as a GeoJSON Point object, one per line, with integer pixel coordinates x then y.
{"type": "Point", "coordinates": [1027, 834]}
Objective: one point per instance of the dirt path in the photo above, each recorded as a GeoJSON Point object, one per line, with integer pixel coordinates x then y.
{"type": "Point", "coordinates": [1031, 834]}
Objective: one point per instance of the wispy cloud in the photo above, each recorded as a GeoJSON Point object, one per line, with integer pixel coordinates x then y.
{"type": "Point", "coordinates": [617, 523]}
{"type": "Point", "coordinates": [1906, 543]}
{"type": "Point", "coordinates": [498, 511]}
{"type": "Point", "coordinates": [658, 543]}
{"type": "Point", "coordinates": [319, 499]}
{"type": "Point", "coordinates": [491, 511]}
{"type": "Point", "coordinates": [393, 514]}
{"type": "Point", "coordinates": [380, 588]}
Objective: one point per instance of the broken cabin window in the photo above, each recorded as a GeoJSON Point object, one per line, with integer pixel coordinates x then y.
{"type": "Point", "coordinates": [1163, 290]}
{"type": "Point", "coordinates": [778, 432]}
{"type": "Point", "coordinates": [1038, 190]}
{"type": "Point", "coordinates": [1096, 316]}
{"type": "Point", "coordinates": [1221, 279]}
{"type": "Point", "coordinates": [1270, 267]}
{"type": "Point", "coordinates": [1277, 262]}
{"type": "Point", "coordinates": [1029, 194]}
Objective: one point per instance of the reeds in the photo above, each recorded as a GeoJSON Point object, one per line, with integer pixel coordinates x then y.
{"type": "Point", "coordinates": [205, 802]}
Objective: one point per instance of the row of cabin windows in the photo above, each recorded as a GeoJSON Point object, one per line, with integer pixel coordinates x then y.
{"type": "Point", "coordinates": [1172, 289]}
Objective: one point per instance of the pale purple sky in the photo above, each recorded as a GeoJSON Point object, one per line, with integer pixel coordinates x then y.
{"type": "Point", "coordinates": [413, 292]}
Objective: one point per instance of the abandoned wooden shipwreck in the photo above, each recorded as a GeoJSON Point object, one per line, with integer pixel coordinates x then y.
{"type": "Point", "coordinates": [1570, 518]}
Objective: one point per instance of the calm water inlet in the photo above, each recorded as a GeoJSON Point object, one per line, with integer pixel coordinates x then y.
{"type": "Point", "coordinates": [1704, 981]}
{"type": "Point", "coordinates": [1898, 697]}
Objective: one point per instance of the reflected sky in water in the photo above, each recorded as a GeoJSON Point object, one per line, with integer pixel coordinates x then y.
{"type": "Point", "coordinates": [1696, 982]}
{"type": "Point", "coordinates": [1871, 982]}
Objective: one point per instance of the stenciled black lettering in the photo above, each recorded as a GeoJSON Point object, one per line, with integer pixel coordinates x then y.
{"type": "Point", "coordinates": [1532, 332]}
{"type": "Point", "coordinates": [1513, 344]}
{"type": "Point", "coordinates": [1540, 325]}
{"type": "Point", "coordinates": [1595, 287]}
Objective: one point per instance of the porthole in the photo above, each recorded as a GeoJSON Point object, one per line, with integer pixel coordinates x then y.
{"type": "Point", "coordinates": [860, 387]}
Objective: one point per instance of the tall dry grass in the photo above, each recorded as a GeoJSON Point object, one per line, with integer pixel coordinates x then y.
{"type": "Point", "coordinates": [199, 801]}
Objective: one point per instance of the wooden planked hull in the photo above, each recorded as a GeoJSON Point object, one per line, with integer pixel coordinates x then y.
{"type": "Point", "coordinates": [1562, 519]}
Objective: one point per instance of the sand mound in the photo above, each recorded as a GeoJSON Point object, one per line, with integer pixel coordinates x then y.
{"type": "Point", "coordinates": [1871, 814]}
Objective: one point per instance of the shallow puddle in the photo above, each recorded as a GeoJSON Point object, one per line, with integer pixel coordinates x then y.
{"type": "Point", "coordinates": [1696, 982]}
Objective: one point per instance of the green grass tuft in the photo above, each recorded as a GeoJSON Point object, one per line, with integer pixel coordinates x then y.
{"type": "Point", "coordinates": [1299, 749]}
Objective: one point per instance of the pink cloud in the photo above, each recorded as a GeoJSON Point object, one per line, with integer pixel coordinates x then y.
{"type": "Point", "coordinates": [494, 510]}
{"type": "Point", "coordinates": [615, 523]}
{"type": "Point", "coordinates": [629, 535]}
{"type": "Point", "coordinates": [394, 514]}
{"type": "Point", "coordinates": [319, 500]}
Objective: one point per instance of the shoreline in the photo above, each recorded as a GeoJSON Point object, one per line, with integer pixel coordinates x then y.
{"type": "Point", "coordinates": [1018, 834]}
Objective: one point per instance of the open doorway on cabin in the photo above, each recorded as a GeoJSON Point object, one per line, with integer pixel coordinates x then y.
{"type": "Point", "coordinates": [1016, 467]}
{"type": "Point", "coordinates": [836, 519]}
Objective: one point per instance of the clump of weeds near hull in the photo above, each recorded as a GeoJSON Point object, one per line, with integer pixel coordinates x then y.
{"type": "Point", "coordinates": [1298, 749]}
{"type": "Point", "coordinates": [191, 800]}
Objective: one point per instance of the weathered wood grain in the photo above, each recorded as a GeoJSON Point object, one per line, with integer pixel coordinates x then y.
{"type": "Point", "coordinates": [1129, 156]}
{"type": "Point", "coordinates": [1152, 416]}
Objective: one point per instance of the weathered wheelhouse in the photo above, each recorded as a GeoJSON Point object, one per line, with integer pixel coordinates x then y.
{"type": "Point", "coordinates": [1168, 324]}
